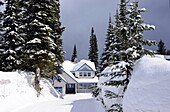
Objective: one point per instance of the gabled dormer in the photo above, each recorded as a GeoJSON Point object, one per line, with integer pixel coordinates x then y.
{"type": "Point", "coordinates": [84, 69]}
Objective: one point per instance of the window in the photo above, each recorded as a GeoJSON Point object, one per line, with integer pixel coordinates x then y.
{"type": "Point", "coordinates": [85, 86]}
{"type": "Point", "coordinates": [70, 85]}
{"type": "Point", "coordinates": [89, 74]}
{"type": "Point", "coordinates": [85, 74]}
{"type": "Point", "coordinates": [80, 74]}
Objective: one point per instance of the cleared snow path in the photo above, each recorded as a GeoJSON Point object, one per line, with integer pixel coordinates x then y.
{"type": "Point", "coordinates": [70, 103]}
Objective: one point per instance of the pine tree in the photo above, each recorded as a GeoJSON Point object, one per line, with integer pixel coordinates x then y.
{"type": "Point", "coordinates": [129, 33]}
{"type": "Point", "coordinates": [104, 59]}
{"type": "Point", "coordinates": [115, 45]}
{"type": "Point", "coordinates": [42, 34]}
{"type": "Point", "coordinates": [161, 48]}
{"type": "Point", "coordinates": [1, 17]}
{"type": "Point", "coordinates": [74, 56]}
{"type": "Point", "coordinates": [11, 41]}
{"type": "Point", "coordinates": [93, 50]}
{"type": "Point", "coordinates": [1, 30]}
{"type": "Point", "coordinates": [43, 45]}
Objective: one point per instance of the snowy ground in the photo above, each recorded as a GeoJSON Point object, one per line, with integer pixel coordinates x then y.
{"type": "Point", "coordinates": [17, 94]}
{"type": "Point", "coordinates": [70, 103]}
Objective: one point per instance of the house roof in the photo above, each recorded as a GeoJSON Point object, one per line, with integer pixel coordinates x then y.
{"type": "Point", "coordinates": [167, 57]}
{"type": "Point", "coordinates": [70, 66]}
{"type": "Point", "coordinates": [70, 75]}
{"type": "Point", "coordinates": [77, 80]}
{"type": "Point", "coordinates": [84, 62]}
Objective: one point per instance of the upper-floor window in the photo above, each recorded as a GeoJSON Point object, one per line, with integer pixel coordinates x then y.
{"type": "Point", "coordinates": [81, 74]}
{"type": "Point", "coordinates": [85, 74]}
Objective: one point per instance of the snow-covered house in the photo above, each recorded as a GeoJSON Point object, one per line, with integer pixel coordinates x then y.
{"type": "Point", "coordinates": [77, 77]}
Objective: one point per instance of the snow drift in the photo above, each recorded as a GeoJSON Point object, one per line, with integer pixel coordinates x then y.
{"type": "Point", "coordinates": [148, 90]}
{"type": "Point", "coordinates": [16, 89]}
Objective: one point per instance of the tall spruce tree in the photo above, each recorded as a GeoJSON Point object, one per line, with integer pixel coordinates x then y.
{"type": "Point", "coordinates": [11, 40]}
{"type": "Point", "coordinates": [74, 56]}
{"type": "Point", "coordinates": [115, 45]}
{"type": "Point", "coordinates": [1, 30]}
{"type": "Point", "coordinates": [42, 34]}
{"type": "Point", "coordinates": [104, 59]}
{"type": "Point", "coordinates": [129, 33]}
{"type": "Point", "coordinates": [161, 48]}
{"type": "Point", "coordinates": [1, 17]}
{"type": "Point", "coordinates": [43, 43]}
{"type": "Point", "coordinates": [93, 50]}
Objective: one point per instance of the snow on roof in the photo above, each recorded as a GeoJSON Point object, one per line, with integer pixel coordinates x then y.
{"type": "Point", "coordinates": [68, 65]}
{"type": "Point", "coordinates": [159, 56]}
{"type": "Point", "coordinates": [86, 80]}
{"type": "Point", "coordinates": [167, 57]}
{"type": "Point", "coordinates": [148, 89]}
{"type": "Point", "coordinates": [62, 77]}
{"type": "Point", "coordinates": [70, 74]}
{"type": "Point", "coordinates": [82, 62]}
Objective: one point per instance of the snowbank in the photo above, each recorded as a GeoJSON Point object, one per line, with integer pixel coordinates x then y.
{"type": "Point", "coordinates": [16, 89]}
{"type": "Point", "coordinates": [148, 90]}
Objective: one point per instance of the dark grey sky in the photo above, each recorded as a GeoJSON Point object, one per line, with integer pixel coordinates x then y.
{"type": "Point", "coordinates": [79, 16]}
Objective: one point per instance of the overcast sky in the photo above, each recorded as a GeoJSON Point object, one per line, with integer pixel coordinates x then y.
{"type": "Point", "coordinates": [79, 16]}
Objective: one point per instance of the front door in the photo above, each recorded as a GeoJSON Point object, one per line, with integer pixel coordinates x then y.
{"type": "Point", "coordinates": [70, 89]}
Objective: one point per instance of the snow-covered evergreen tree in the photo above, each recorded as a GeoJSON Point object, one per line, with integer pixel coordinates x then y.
{"type": "Point", "coordinates": [105, 57]}
{"type": "Point", "coordinates": [42, 31]}
{"type": "Point", "coordinates": [11, 40]}
{"type": "Point", "coordinates": [93, 49]}
{"type": "Point", "coordinates": [1, 17]}
{"type": "Point", "coordinates": [130, 34]}
{"type": "Point", "coordinates": [161, 48]}
{"type": "Point", "coordinates": [74, 56]}
{"type": "Point", "coordinates": [128, 48]}
{"type": "Point", "coordinates": [115, 44]}
{"type": "Point", "coordinates": [43, 45]}
{"type": "Point", "coordinates": [1, 30]}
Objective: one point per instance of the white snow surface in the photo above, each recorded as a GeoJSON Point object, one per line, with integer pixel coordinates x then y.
{"type": "Point", "coordinates": [148, 90]}
{"type": "Point", "coordinates": [71, 103]}
{"type": "Point", "coordinates": [16, 90]}
{"type": "Point", "coordinates": [18, 95]}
